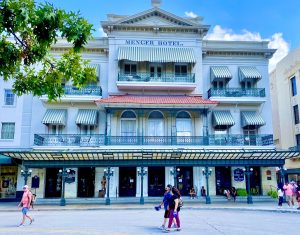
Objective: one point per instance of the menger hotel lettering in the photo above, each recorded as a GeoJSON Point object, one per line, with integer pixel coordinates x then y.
{"type": "Point", "coordinates": [153, 43]}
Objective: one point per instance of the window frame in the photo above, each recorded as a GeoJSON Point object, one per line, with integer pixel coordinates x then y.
{"type": "Point", "coordinates": [293, 83]}
{"type": "Point", "coordinates": [296, 114]}
{"type": "Point", "coordinates": [6, 98]}
{"type": "Point", "coordinates": [3, 134]}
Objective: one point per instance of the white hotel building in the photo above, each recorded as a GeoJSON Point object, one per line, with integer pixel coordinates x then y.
{"type": "Point", "coordinates": [165, 99]}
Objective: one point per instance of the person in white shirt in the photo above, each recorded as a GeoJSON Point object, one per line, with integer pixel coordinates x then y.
{"type": "Point", "coordinates": [280, 197]}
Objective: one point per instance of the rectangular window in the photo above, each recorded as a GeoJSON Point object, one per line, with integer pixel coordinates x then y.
{"type": "Point", "coordinates": [8, 130]}
{"type": "Point", "coordinates": [180, 70]}
{"type": "Point", "coordinates": [298, 139]}
{"type": "Point", "coordinates": [294, 86]}
{"type": "Point", "coordinates": [130, 68]}
{"type": "Point", "coordinates": [9, 97]}
{"type": "Point", "coordinates": [296, 114]}
{"type": "Point", "coordinates": [250, 135]}
{"type": "Point", "coordinates": [128, 127]}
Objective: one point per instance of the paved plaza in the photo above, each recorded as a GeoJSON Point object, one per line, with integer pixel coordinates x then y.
{"type": "Point", "coordinates": [146, 221]}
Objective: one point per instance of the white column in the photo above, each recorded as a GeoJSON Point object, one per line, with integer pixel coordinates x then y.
{"type": "Point", "coordinates": [198, 178]}
{"type": "Point", "coordinates": [139, 182]}
{"type": "Point", "coordinates": [114, 183]}
{"type": "Point", "coordinates": [71, 189]}
{"type": "Point", "coordinates": [268, 182]}
{"type": "Point", "coordinates": [99, 173]}
{"type": "Point", "coordinates": [212, 182]}
{"type": "Point", "coordinates": [169, 178]}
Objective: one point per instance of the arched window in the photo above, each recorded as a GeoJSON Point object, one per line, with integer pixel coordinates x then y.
{"type": "Point", "coordinates": [155, 124]}
{"type": "Point", "coordinates": [128, 123]}
{"type": "Point", "coordinates": [183, 124]}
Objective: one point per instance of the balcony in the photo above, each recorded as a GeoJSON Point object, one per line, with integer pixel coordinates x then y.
{"type": "Point", "coordinates": [237, 94]}
{"type": "Point", "coordinates": [240, 140]}
{"type": "Point", "coordinates": [75, 94]}
{"type": "Point", "coordinates": [88, 90]}
{"type": "Point", "coordinates": [156, 81]}
{"type": "Point", "coordinates": [102, 140]}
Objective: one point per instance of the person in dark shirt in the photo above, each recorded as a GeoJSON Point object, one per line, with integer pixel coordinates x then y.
{"type": "Point", "coordinates": [174, 209]}
{"type": "Point", "coordinates": [165, 202]}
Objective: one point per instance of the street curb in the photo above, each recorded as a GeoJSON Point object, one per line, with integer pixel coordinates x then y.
{"type": "Point", "coordinates": [147, 208]}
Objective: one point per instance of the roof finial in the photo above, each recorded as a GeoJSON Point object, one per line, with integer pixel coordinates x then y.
{"type": "Point", "coordinates": [155, 3]}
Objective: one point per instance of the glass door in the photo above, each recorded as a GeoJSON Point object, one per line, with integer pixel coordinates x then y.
{"type": "Point", "coordinates": [155, 72]}
{"type": "Point", "coordinates": [156, 181]}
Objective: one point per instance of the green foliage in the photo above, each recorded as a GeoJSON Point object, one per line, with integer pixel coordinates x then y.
{"type": "Point", "coordinates": [241, 192]}
{"type": "Point", "coordinates": [272, 194]}
{"type": "Point", "coordinates": [28, 30]}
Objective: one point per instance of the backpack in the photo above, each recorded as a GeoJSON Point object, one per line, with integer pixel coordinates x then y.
{"type": "Point", "coordinates": [33, 199]}
{"type": "Point", "coordinates": [180, 202]}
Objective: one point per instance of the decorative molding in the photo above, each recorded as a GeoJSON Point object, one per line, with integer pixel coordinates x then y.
{"type": "Point", "coordinates": [234, 53]}
{"type": "Point", "coordinates": [86, 50]}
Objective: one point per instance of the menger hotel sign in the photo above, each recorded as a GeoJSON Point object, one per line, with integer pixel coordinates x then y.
{"type": "Point", "coordinates": [154, 43]}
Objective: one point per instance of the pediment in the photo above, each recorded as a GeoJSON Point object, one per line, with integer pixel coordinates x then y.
{"type": "Point", "coordinates": [156, 17]}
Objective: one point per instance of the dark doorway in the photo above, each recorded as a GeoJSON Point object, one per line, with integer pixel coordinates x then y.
{"type": "Point", "coordinates": [185, 180]}
{"type": "Point", "coordinates": [53, 183]}
{"type": "Point", "coordinates": [156, 181]}
{"type": "Point", "coordinates": [255, 181]}
{"type": "Point", "coordinates": [127, 179]}
{"type": "Point", "coordinates": [223, 179]}
{"type": "Point", "coordinates": [86, 182]}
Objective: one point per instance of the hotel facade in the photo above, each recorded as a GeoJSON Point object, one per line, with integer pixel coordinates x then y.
{"type": "Point", "coordinates": [284, 80]}
{"type": "Point", "coordinates": [167, 103]}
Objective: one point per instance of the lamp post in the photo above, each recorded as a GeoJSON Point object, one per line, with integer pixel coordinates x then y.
{"type": "Point", "coordinates": [63, 173]}
{"type": "Point", "coordinates": [175, 173]}
{"type": "Point", "coordinates": [282, 171]}
{"type": "Point", "coordinates": [248, 172]}
{"type": "Point", "coordinates": [207, 172]}
{"type": "Point", "coordinates": [109, 172]}
{"type": "Point", "coordinates": [26, 173]}
{"type": "Point", "coordinates": [142, 172]}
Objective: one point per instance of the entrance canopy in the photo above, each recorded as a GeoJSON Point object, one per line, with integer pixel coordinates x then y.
{"type": "Point", "coordinates": [157, 54]}
{"type": "Point", "coordinates": [153, 157]}
{"type": "Point", "coordinates": [4, 159]}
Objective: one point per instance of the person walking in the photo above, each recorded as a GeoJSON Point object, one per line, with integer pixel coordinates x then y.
{"type": "Point", "coordinates": [25, 204]}
{"type": "Point", "coordinates": [165, 202]}
{"type": "Point", "coordinates": [288, 190]}
{"type": "Point", "coordinates": [174, 209]}
{"type": "Point", "coordinates": [233, 193]}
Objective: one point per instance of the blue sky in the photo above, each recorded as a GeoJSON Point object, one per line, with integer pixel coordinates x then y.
{"type": "Point", "coordinates": [230, 19]}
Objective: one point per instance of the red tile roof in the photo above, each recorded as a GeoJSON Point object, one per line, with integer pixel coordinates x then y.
{"type": "Point", "coordinates": [158, 99]}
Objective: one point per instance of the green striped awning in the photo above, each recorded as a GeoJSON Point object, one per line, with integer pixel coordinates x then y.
{"type": "Point", "coordinates": [87, 117]}
{"type": "Point", "coordinates": [220, 72]}
{"type": "Point", "coordinates": [157, 54]}
{"type": "Point", "coordinates": [222, 118]}
{"type": "Point", "coordinates": [249, 72]}
{"type": "Point", "coordinates": [55, 117]}
{"type": "Point", "coordinates": [252, 118]}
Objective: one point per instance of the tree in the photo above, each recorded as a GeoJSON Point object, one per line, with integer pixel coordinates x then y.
{"type": "Point", "coordinates": [27, 32]}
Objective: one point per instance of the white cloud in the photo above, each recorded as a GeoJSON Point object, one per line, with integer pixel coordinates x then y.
{"type": "Point", "coordinates": [276, 41]}
{"type": "Point", "coordinates": [190, 14]}
{"type": "Point", "coordinates": [102, 33]}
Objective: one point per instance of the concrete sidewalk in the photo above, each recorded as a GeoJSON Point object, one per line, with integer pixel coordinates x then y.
{"type": "Point", "coordinates": [258, 206]}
